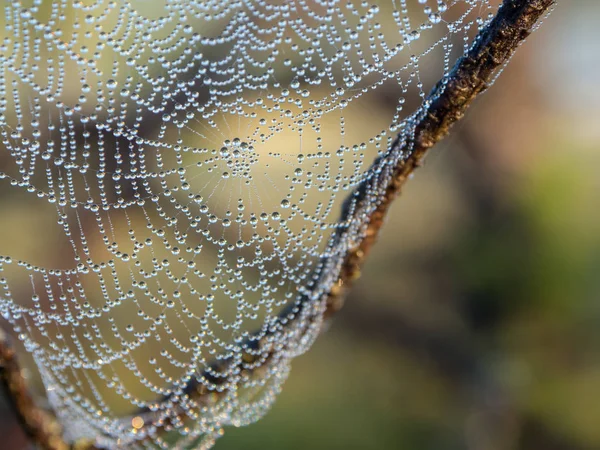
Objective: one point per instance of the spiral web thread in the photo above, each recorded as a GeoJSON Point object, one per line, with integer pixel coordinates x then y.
{"type": "Point", "coordinates": [188, 162]}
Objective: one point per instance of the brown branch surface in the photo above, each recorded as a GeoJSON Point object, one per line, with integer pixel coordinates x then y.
{"type": "Point", "coordinates": [449, 100]}
{"type": "Point", "coordinates": [446, 104]}
{"type": "Point", "coordinates": [37, 424]}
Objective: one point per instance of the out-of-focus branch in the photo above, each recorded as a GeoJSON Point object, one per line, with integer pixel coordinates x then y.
{"type": "Point", "coordinates": [445, 105]}
{"type": "Point", "coordinates": [40, 427]}
{"type": "Point", "coordinates": [453, 357]}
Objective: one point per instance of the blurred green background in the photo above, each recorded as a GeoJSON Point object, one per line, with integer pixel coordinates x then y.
{"type": "Point", "coordinates": [476, 322]}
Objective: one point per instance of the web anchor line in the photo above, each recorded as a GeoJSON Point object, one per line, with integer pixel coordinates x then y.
{"type": "Point", "coordinates": [445, 105]}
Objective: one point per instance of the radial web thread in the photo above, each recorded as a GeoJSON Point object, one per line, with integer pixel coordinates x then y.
{"type": "Point", "coordinates": [187, 162]}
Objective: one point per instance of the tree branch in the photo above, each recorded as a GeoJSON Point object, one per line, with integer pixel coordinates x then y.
{"type": "Point", "coordinates": [448, 102]}
{"type": "Point", "coordinates": [37, 424]}
{"type": "Point", "coordinates": [444, 106]}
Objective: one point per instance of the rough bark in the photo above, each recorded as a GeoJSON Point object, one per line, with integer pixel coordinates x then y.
{"type": "Point", "coordinates": [449, 100]}
{"type": "Point", "coordinates": [445, 105]}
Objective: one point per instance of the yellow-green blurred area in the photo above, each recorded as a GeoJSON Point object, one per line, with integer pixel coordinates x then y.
{"type": "Point", "coordinates": [476, 321]}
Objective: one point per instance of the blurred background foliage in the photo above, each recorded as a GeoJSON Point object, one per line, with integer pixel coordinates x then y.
{"type": "Point", "coordinates": [475, 324]}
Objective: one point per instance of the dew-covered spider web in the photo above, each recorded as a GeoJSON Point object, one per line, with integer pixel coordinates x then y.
{"type": "Point", "coordinates": [184, 164]}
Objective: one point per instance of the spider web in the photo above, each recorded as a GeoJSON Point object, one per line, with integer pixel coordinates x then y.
{"type": "Point", "coordinates": [188, 161]}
